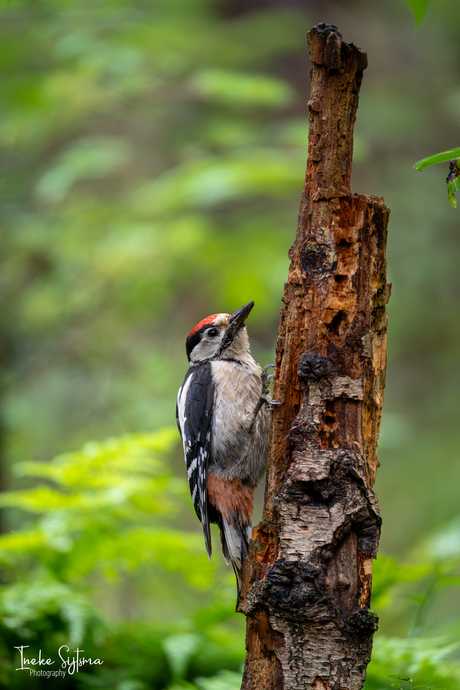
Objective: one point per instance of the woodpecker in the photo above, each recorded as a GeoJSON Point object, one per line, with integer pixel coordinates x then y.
{"type": "Point", "coordinates": [223, 417]}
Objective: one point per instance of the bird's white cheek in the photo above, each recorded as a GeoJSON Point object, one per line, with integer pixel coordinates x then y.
{"type": "Point", "coordinates": [205, 350]}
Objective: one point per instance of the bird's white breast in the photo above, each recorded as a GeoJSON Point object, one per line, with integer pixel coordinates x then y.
{"type": "Point", "coordinates": [237, 391]}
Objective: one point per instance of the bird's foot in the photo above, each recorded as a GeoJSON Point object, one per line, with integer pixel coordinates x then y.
{"type": "Point", "coordinates": [265, 398]}
{"type": "Point", "coordinates": [265, 395]}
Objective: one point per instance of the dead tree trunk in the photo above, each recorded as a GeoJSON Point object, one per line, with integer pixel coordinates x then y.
{"type": "Point", "coordinates": [308, 575]}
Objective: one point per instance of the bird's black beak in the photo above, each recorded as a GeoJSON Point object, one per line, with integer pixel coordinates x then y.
{"type": "Point", "coordinates": [237, 320]}
{"type": "Point", "coordinates": [240, 315]}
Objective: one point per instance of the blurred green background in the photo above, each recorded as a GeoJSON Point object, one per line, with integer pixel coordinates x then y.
{"type": "Point", "coordinates": [153, 156]}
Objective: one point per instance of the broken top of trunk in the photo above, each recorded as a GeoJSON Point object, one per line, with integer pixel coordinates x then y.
{"type": "Point", "coordinates": [308, 575]}
{"type": "Point", "coordinates": [338, 69]}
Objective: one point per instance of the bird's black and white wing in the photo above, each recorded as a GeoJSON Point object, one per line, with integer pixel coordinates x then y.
{"type": "Point", "coordinates": [194, 416]}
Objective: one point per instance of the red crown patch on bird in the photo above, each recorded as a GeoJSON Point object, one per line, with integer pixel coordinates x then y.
{"type": "Point", "coordinates": [205, 322]}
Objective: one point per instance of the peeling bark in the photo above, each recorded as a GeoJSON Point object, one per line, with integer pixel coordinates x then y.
{"type": "Point", "coordinates": [309, 573]}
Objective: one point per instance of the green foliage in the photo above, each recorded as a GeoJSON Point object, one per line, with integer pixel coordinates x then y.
{"type": "Point", "coordinates": [427, 660]}
{"type": "Point", "coordinates": [114, 494]}
{"type": "Point", "coordinates": [410, 592]}
{"type": "Point", "coordinates": [107, 493]}
{"type": "Point", "coordinates": [106, 511]}
{"type": "Point", "coordinates": [241, 89]}
{"type": "Point", "coordinates": [224, 680]}
{"type": "Point", "coordinates": [148, 141]}
{"type": "Point", "coordinates": [453, 179]}
{"type": "Point", "coordinates": [437, 158]}
{"type": "Point", "coordinates": [91, 158]}
{"type": "Point", "coordinates": [387, 573]}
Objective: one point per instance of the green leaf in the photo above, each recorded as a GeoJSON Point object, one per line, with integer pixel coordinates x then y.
{"type": "Point", "coordinates": [437, 158]}
{"type": "Point", "coordinates": [179, 649]}
{"type": "Point", "coordinates": [419, 8]}
{"type": "Point", "coordinates": [453, 179]}
{"type": "Point", "coordinates": [452, 201]}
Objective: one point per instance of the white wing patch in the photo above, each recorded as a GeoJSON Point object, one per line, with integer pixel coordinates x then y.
{"type": "Point", "coordinates": [181, 418]}
{"type": "Point", "coordinates": [192, 467]}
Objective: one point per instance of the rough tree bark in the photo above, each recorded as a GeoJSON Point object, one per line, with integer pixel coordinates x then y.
{"type": "Point", "coordinates": [308, 575]}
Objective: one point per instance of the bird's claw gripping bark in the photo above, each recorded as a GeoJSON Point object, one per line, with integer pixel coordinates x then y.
{"type": "Point", "coordinates": [265, 396]}
{"type": "Point", "coordinates": [265, 369]}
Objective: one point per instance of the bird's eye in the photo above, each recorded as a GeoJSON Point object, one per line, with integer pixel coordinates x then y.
{"type": "Point", "coordinates": [213, 332]}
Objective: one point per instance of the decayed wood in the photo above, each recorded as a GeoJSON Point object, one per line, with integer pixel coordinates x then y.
{"type": "Point", "coordinates": [308, 575]}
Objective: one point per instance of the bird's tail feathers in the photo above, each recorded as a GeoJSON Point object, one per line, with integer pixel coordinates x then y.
{"type": "Point", "coordinates": [235, 547]}
{"type": "Point", "coordinates": [207, 533]}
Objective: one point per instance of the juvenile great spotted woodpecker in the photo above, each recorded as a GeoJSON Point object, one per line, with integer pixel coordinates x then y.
{"type": "Point", "coordinates": [223, 417]}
